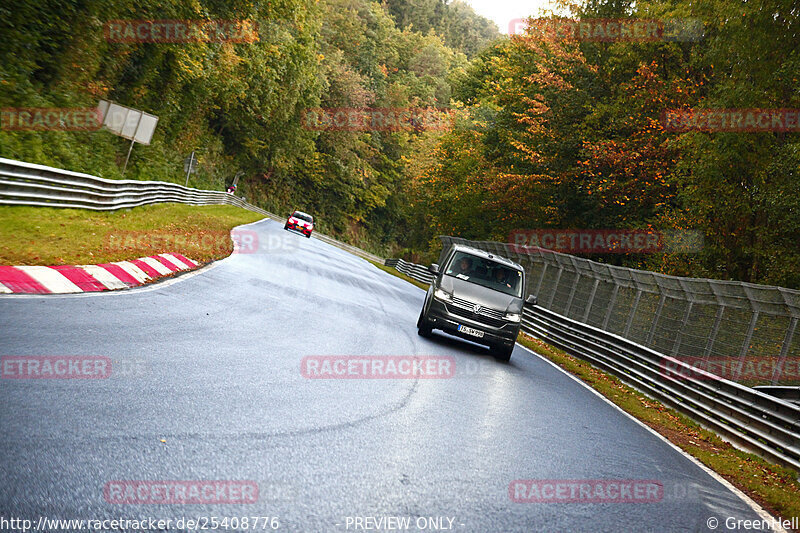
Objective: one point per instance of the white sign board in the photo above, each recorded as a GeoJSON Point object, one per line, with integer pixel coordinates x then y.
{"type": "Point", "coordinates": [131, 124]}
{"type": "Point", "coordinates": [128, 123]}
{"type": "Point", "coordinates": [147, 126]}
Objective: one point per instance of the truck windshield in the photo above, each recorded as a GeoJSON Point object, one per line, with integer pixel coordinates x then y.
{"type": "Point", "coordinates": [485, 272]}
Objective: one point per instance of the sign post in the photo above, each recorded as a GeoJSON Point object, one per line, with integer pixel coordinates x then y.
{"type": "Point", "coordinates": [131, 148]}
{"type": "Point", "coordinates": [189, 165]}
{"type": "Point", "coordinates": [236, 178]}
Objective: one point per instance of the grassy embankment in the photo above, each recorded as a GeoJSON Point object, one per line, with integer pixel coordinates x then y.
{"type": "Point", "coordinates": [50, 236]}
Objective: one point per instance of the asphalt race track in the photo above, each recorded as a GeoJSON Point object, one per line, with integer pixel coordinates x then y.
{"type": "Point", "coordinates": [211, 366]}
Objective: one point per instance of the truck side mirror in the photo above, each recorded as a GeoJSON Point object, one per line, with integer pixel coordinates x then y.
{"type": "Point", "coordinates": [532, 300]}
{"type": "Point", "coordinates": [434, 269]}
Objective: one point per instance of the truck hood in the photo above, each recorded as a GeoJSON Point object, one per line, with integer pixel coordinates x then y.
{"type": "Point", "coordinates": [479, 294]}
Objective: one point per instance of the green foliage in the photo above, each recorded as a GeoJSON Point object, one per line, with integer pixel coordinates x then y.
{"type": "Point", "coordinates": [578, 142]}
{"type": "Point", "coordinates": [239, 105]}
{"type": "Point", "coordinates": [458, 24]}
{"type": "Point", "coordinates": [547, 133]}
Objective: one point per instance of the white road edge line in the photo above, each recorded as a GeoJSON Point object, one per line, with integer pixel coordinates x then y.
{"type": "Point", "coordinates": [749, 501]}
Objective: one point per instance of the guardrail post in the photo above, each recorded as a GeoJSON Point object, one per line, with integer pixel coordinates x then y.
{"type": "Point", "coordinates": [541, 279]}
{"type": "Point", "coordinates": [633, 312]}
{"type": "Point", "coordinates": [555, 287]}
{"type": "Point", "coordinates": [787, 341]}
{"type": "Point", "coordinates": [611, 305]}
{"type": "Point", "coordinates": [677, 344]}
{"type": "Point", "coordinates": [746, 344]}
{"type": "Point", "coordinates": [651, 335]}
{"type": "Point", "coordinates": [591, 300]}
{"type": "Point", "coordinates": [714, 331]}
{"type": "Point", "coordinates": [572, 292]}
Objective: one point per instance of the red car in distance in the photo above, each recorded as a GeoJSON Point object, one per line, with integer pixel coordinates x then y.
{"type": "Point", "coordinates": [300, 222]}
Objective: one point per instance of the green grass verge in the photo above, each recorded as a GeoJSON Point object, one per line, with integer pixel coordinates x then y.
{"type": "Point", "coordinates": [775, 488]}
{"type": "Point", "coordinates": [50, 236]}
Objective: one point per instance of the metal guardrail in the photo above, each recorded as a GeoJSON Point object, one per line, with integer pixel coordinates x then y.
{"type": "Point", "coordinates": [759, 422]}
{"type": "Point", "coordinates": [756, 421]}
{"type": "Point", "coordinates": [38, 185]}
{"type": "Point", "coordinates": [412, 270]}
{"type": "Point", "coordinates": [789, 394]}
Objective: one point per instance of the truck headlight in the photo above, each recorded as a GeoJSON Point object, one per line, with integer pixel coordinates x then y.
{"type": "Point", "coordinates": [512, 317]}
{"type": "Point", "coordinates": [439, 294]}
